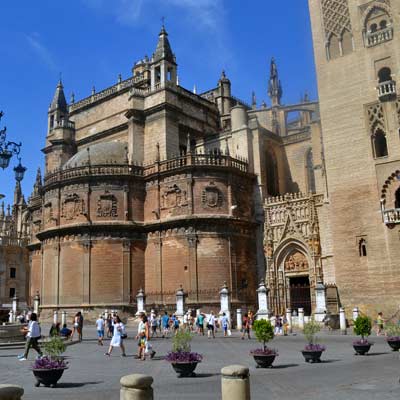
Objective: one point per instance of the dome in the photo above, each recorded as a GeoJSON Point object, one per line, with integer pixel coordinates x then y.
{"type": "Point", "coordinates": [100, 153]}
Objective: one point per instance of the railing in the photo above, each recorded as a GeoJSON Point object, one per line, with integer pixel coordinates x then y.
{"type": "Point", "coordinates": [383, 35]}
{"type": "Point", "coordinates": [386, 89]}
{"type": "Point", "coordinates": [12, 241]}
{"type": "Point", "coordinates": [63, 124]}
{"type": "Point", "coordinates": [218, 160]}
{"type": "Point", "coordinates": [107, 92]}
{"type": "Point", "coordinates": [391, 216]}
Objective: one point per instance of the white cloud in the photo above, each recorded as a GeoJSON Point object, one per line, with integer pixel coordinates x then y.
{"type": "Point", "coordinates": [41, 51]}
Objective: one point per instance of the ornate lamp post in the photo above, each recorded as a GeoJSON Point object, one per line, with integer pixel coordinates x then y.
{"type": "Point", "coordinates": [7, 150]}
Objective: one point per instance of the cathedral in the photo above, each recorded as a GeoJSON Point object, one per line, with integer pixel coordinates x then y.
{"type": "Point", "coordinates": [148, 185]}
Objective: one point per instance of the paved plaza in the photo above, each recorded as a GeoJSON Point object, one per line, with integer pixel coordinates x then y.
{"type": "Point", "coordinates": [341, 375]}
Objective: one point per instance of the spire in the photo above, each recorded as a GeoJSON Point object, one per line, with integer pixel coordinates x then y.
{"type": "Point", "coordinates": [223, 78]}
{"type": "Point", "coordinates": [253, 100]}
{"type": "Point", "coordinates": [274, 85]}
{"type": "Point", "coordinates": [37, 187]}
{"type": "Point", "coordinates": [17, 193]}
{"type": "Point", "coordinates": [59, 101]}
{"type": "Point", "coordinates": [163, 49]}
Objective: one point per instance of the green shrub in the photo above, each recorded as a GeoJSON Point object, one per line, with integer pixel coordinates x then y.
{"type": "Point", "coordinates": [392, 329]}
{"type": "Point", "coordinates": [362, 326]}
{"type": "Point", "coordinates": [311, 328]}
{"type": "Point", "coordinates": [54, 347]}
{"type": "Point", "coordinates": [181, 341]}
{"type": "Point", "coordinates": [264, 331]}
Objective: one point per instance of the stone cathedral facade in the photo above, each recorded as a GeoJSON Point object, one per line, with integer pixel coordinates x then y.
{"type": "Point", "coordinates": [149, 185]}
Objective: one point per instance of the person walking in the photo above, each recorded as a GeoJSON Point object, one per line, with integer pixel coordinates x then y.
{"type": "Point", "coordinates": [110, 327]}
{"type": "Point", "coordinates": [211, 325]}
{"type": "Point", "coordinates": [32, 332]}
{"type": "Point", "coordinates": [200, 324]}
{"type": "Point", "coordinates": [165, 325]}
{"type": "Point", "coordinates": [246, 327]}
{"type": "Point", "coordinates": [80, 326]}
{"type": "Point", "coordinates": [153, 323]}
{"type": "Point", "coordinates": [118, 336]}
{"type": "Point", "coordinates": [379, 324]}
{"type": "Point", "coordinates": [224, 324]}
{"type": "Point", "coordinates": [75, 326]}
{"type": "Point", "coordinates": [100, 330]}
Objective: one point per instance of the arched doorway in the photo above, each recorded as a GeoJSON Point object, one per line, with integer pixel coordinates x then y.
{"type": "Point", "coordinates": [298, 281]}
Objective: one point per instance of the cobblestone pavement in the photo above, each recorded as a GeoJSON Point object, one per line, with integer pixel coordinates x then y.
{"type": "Point", "coordinates": [342, 375]}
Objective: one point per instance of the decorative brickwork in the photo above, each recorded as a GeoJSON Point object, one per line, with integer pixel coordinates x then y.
{"type": "Point", "coordinates": [336, 17]}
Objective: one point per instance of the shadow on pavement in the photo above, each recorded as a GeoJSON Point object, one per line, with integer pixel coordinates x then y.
{"type": "Point", "coordinates": [67, 385]}
{"type": "Point", "coordinates": [281, 366]}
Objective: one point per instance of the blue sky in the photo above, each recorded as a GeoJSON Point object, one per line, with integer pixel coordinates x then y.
{"type": "Point", "coordinates": [91, 41]}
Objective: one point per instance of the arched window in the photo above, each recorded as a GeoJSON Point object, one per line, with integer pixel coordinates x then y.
{"type": "Point", "coordinates": [383, 24]}
{"type": "Point", "coordinates": [373, 28]}
{"type": "Point", "coordinates": [333, 47]}
{"type": "Point", "coordinates": [272, 174]}
{"type": "Point", "coordinates": [310, 172]}
{"type": "Point", "coordinates": [347, 42]}
{"type": "Point", "coordinates": [379, 144]}
{"type": "Point", "coordinates": [397, 198]}
{"type": "Point", "coordinates": [384, 75]}
{"type": "Point", "coordinates": [362, 248]}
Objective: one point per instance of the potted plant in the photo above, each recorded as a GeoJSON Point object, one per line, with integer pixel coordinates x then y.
{"type": "Point", "coordinates": [393, 335]}
{"type": "Point", "coordinates": [264, 332]}
{"type": "Point", "coordinates": [49, 369]}
{"type": "Point", "coordinates": [362, 327]}
{"type": "Point", "coordinates": [182, 359]}
{"type": "Point", "coordinates": [312, 351]}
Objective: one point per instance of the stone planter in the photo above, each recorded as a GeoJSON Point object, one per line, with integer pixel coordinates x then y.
{"type": "Point", "coordinates": [312, 356]}
{"type": "Point", "coordinates": [394, 344]}
{"type": "Point", "coordinates": [47, 377]}
{"type": "Point", "coordinates": [264, 360]}
{"type": "Point", "coordinates": [185, 369]}
{"type": "Point", "coordinates": [362, 349]}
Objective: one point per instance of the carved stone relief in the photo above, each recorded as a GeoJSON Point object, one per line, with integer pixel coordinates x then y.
{"type": "Point", "coordinates": [72, 206]}
{"type": "Point", "coordinates": [211, 196]}
{"type": "Point", "coordinates": [296, 262]}
{"type": "Point", "coordinates": [173, 196]}
{"type": "Point", "coordinates": [107, 205]}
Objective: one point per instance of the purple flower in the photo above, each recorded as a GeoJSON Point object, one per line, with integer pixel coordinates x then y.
{"type": "Point", "coordinates": [314, 347]}
{"type": "Point", "coordinates": [47, 363]}
{"type": "Point", "coordinates": [362, 342]}
{"type": "Point", "coordinates": [262, 352]}
{"type": "Point", "coordinates": [183, 357]}
{"type": "Point", "coordinates": [393, 339]}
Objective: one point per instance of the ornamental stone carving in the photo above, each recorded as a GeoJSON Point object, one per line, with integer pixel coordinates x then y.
{"type": "Point", "coordinates": [48, 213]}
{"type": "Point", "coordinates": [173, 196]}
{"type": "Point", "coordinates": [72, 206]}
{"type": "Point", "coordinates": [296, 262]}
{"type": "Point", "coordinates": [107, 205]}
{"type": "Point", "coordinates": [211, 196]}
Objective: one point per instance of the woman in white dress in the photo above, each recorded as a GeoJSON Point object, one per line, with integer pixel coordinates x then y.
{"type": "Point", "coordinates": [118, 337]}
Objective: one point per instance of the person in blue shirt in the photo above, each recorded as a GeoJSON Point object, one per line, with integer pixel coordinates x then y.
{"type": "Point", "coordinates": [165, 325]}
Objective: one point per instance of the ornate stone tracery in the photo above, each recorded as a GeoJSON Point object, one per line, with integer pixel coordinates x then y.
{"type": "Point", "coordinates": [336, 17]}
{"type": "Point", "coordinates": [376, 118]}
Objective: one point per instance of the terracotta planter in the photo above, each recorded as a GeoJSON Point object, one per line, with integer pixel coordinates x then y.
{"type": "Point", "coordinates": [264, 361]}
{"type": "Point", "coordinates": [312, 356]}
{"type": "Point", "coordinates": [185, 369]}
{"type": "Point", "coordinates": [47, 377]}
{"type": "Point", "coordinates": [362, 349]}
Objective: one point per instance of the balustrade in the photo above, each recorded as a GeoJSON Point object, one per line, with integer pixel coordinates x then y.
{"type": "Point", "coordinates": [386, 89]}
{"type": "Point", "coordinates": [378, 37]}
{"type": "Point", "coordinates": [391, 216]}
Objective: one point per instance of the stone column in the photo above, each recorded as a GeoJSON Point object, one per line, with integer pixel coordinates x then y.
{"type": "Point", "coordinates": [15, 305]}
{"type": "Point", "coordinates": [239, 322]}
{"type": "Point", "coordinates": [225, 303]}
{"type": "Point", "coordinates": [36, 303]}
{"type": "Point", "coordinates": [136, 387]}
{"type": "Point", "coordinates": [356, 313]}
{"type": "Point", "coordinates": [63, 318]}
{"type": "Point", "coordinates": [55, 316]}
{"type": "Point", "coordinates": [262, 293]}
{"type": "Point", "coordinates": [235, 383]}
{"type": "Point", "coordinates": [301, 318]}
{"type": "Point", "coordinates": [320, 300]}
{"type": "Point", "coordinates": [289, 319]}
{"type": "Point", "coordinates": [342, 320]}
{"type": "Point", "coordinates": [140, 299]}
{"type": "Point", "coordinates": [180, 302]}
{"type": "Point", "coordinates": [11, 392]}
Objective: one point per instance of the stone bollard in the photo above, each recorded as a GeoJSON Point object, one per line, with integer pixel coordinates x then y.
{"type": "Point", "coordinates": [356, 313]}
{"type": "Point", "coordinates": [239, 323]}
{"type": "Point", "coordinates": [63, 318]}
{"type": "Point", "coordinates": [11, 392]}
{"type": "Point", "coordinates": [289, 319]}
{"type": "Point", "coordinates": [301, 318]}
{"type": "Point", "coordinates": [235, 383]}
{"type": "Point", "coordinates": [342, 321]}
{"type": "Point", "coordinates": [136, 387]}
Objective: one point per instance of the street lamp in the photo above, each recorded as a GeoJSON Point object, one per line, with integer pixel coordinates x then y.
{"type": "Point", "coordinates": [7, 150]}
